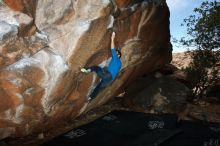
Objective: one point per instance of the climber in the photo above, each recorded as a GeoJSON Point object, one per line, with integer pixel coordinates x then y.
{"type": "Point", "coordinates": [108, 73]}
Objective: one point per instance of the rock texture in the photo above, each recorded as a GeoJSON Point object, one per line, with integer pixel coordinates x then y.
{"type": "Point", "coordinates": [181, 60]}
{"type": "Point", "coordinates": [43, 44]}
{"type": "Point", "coordinates": [157, 94]}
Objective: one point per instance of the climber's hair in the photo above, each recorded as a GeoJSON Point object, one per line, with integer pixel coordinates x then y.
{"type": "Point", "coordinates": [118, 53]}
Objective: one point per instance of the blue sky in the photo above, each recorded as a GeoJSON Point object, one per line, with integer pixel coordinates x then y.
{"type": "Point", "coordinates": [180, 9]}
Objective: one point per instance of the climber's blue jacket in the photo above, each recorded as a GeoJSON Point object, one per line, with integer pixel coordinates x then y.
{"type": "Point", "coordinates": [115, 64]}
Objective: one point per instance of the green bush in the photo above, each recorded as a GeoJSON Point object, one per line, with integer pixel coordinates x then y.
{"type": "Point", "coordinates": [202, 73]}
{"type": "Point", "coordinates": [203, 29]}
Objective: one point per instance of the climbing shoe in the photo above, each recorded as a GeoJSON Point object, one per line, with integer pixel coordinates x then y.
{"type": "Point", "coordinates": [89, 99]}
{"type": "Point", "coordinates": [85, 70]}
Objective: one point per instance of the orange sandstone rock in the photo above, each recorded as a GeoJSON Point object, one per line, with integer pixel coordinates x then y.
{"type": "Point", "coordinates": [40, 79]}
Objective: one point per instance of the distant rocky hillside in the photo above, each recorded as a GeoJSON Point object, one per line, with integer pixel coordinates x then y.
{"type": "Point", "coordinates": [181, 60]}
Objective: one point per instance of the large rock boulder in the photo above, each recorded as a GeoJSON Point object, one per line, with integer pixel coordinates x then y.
{"type": "Point", "coordinates": [157, 94]}
{"type": "Point", "coordinates": [45, 43]}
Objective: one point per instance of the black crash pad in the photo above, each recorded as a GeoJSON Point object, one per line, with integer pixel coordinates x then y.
{"type": "Point", "coordinates": [197, 133]}
{"type": "Point", "coordinates": [123, 128]}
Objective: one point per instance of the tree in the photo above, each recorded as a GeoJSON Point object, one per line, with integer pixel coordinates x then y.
{"type": "Point", "coordinates": [203, 30]}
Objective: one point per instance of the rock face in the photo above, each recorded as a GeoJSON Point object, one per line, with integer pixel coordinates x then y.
{"type": "Point", "coordinates": [45, 43]}
{"type": "Point", "coordinates": [157, 95]}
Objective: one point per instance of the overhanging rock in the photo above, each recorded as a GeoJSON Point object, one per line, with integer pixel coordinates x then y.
{"type": "Point", "coordinates": [45, 43]}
